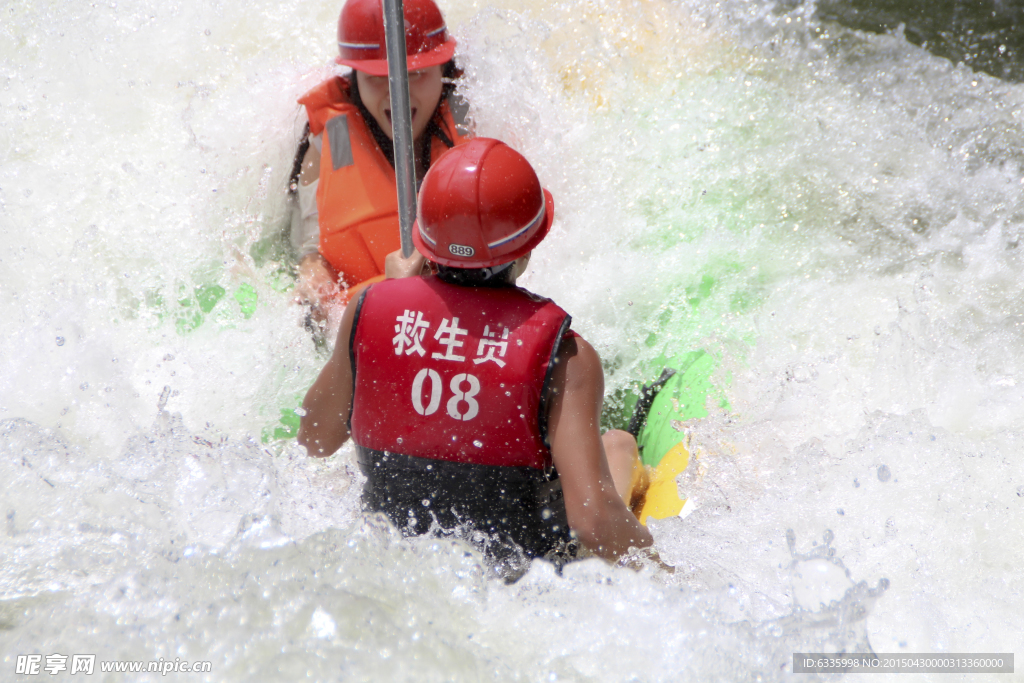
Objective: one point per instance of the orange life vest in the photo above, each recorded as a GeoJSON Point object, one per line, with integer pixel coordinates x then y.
{"type": "Point", "coordinates": [357, 198]}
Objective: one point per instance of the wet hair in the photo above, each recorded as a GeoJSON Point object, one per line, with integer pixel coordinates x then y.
{"type": "Point", "coordinates": [300, 154]}
{"type": "Point", "coordinates": [436, 127]}
{"type": "Point", "coordinates": [502, 275]}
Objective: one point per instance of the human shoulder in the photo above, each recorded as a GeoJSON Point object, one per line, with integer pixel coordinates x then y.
{"type": "Point", "coordinates": [327, 100]}
{"type": "Point", "coordinates": [537, 298]}
{"type": "Point", "coordinates": [575, 347]}
{"type": "Point", "coordinates": [578, 365]}
{"type": "Point", "coordinates": [332, 90]}
{"type": "Point", "coordinates": [391, 290]}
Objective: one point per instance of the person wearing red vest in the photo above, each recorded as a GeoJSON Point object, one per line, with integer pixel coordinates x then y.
{"type": "Point", "coordinates": [347, 221]}
{"type": "Point", "coordinates": [469, 399]}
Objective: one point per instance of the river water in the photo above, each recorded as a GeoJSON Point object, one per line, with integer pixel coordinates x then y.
{"type": "Point", "coordinates": [835, 216]}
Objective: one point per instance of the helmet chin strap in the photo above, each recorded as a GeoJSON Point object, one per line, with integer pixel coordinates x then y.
{"type": "Point", "coordinates": [494, 271]}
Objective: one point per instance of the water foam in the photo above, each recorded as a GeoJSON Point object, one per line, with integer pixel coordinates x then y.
{"type": "Point", "coordinates": [834, 215]}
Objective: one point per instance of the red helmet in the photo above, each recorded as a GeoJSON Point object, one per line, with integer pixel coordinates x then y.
{"type": "Point", "coordinates": [361, 36]}
{"type": "Point", "coordinates": [481, 205]}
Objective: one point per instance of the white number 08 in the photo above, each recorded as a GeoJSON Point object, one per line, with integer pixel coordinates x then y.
{"type": "Point", "coordinates": [458, 395]}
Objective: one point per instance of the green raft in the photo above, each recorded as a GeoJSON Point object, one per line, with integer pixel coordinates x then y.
{"type": "Point", "coordinates": [661, 411]}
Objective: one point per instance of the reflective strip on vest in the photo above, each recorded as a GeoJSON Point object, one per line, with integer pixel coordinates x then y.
{"type": "Point", "coordinates": [341, 146]}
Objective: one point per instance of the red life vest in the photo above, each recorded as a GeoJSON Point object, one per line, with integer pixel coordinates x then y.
{"type": "Point", "coordinates": [454, 373]}
{"type": "Point", "coordinates": [358, 196]}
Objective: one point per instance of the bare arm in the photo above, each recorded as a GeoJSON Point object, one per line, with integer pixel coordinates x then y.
{"type": "Point", "coordinates": [596, 511]}
{"type": "Point", "coordinates": [316, 281]}
{"type": "Point", "coordinates": [324, 427]}
{"type": "Point", "coordinates": [397, 266]}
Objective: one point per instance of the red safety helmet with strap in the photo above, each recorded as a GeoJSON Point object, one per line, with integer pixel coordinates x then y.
{"type": "Point", "coordinates": [361, 36]}
{"type": "Point", "coordinates": [481, 205]}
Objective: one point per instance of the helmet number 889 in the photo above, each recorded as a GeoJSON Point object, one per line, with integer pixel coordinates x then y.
{"type": "Point", "coordinates": [461, 406]}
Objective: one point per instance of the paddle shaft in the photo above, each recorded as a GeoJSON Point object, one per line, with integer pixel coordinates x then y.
{"type": "Point", "coordinates": [401, 120]}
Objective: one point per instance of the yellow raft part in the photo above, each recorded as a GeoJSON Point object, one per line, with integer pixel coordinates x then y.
{"type": "Point", "coordinates": [662, 498]}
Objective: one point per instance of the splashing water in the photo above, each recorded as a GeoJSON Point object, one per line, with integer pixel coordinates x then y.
{"type": "Point", "coordinates": [834, 216]}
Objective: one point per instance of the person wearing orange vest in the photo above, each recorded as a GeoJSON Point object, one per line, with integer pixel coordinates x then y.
{"type": "Point", "coordinates": [469, 399]}
{"type": "Point", "coordinates": [347, 222]}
